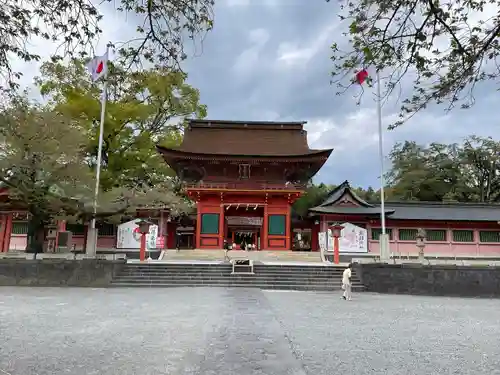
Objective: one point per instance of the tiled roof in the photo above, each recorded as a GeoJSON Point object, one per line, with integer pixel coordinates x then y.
{"type": "Point", "coordinates": [444, 211]}
{"type": "Point", "coordinates": [421, 211]}
{"type": "Point", "coordinates": [339, 192]}
{"type": "Point", "coordinates": [343, 210]}
{"type": "Point", "coordinates": [438, 211]}
{"type": "Point", "coordinates": [246, 139]}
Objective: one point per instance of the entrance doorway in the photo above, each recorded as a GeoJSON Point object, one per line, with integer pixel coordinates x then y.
{"type": "Point", "coordinates": [244, 230]}
{"type": "Point", "coordinates": [243, 237]}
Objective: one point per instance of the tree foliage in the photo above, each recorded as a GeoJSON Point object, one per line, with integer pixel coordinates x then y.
{"type": "Point", "coordinates": [468, 172]}
{"type": "Point", "coordinates": [143, 109]}
{"type": "Point", "coordinates": [162, 27]}
{"type": "Point", "coordinates": [444, 47]}
{"type": "Point", "coordinates": [314, 196]}
{"type": "Point", "coordinates": [43, 164]}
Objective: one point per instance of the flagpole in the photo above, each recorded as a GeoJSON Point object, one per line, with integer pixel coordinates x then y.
{"type": "Point", "coordinates": [383, 240]}
{"type": "Point", "coordinates": [93, 247]}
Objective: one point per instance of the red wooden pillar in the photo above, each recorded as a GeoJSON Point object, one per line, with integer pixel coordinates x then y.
{"type": "Point", "coordinates": [264, 245]}
{"type": "Point", "coordinates": [61, 227]}
{"type": "Point", "coordinates": [221, 226]}
{"type": "Point", "coordinates": [314, 236]}
{"type": "Point", "coordinates": [288, 240]}
{"type": "Point", "coordinates": [142, 251]}
{"type": "Point", "coordinates": [3, 233]}
{"type": "Point", "coordinates": [226, 228]}
{"type": "Point", "coordinates": [8, 232]}
{"type": "Point", "coordinates": [198, 225]}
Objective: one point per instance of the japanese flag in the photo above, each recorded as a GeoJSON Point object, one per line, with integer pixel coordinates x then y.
{"type": "Point", "coordinates": [98, 67]}
{"type": "Point", "coordinates": [361, 76]}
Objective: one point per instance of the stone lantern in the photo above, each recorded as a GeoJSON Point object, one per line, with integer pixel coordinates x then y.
{"type": "Point", "coordinates": [421, 237]}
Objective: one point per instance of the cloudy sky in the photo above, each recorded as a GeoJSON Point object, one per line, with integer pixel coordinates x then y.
{"type": "Point", "coordinates": [269, 60]}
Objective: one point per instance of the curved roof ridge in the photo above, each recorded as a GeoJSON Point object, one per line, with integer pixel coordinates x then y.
{"type": "Point", "coordinates": [340, 191]}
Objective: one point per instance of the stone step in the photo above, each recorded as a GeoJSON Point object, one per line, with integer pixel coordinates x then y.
{"type": "Point", "coordinates": [237, 285]}
{"type": "Point", "coordinates": [229, 270]}
{"type": "Point", "coordinates": [297, 277]}
{"type": "Point", "coordinates": [214, 274]}
{"type": "Point", "coordinates": [226, 271]}
{"type": "Point", "coordinates": [267, 274]}
{"type": "Point", "coordinates": [161, 269]}
{"type": "Point", "coordinates": [228, 276]}
{"type": "Point", "coordinates": [230, 282]}
{"type": "Point", "coordinates": [228, 266]}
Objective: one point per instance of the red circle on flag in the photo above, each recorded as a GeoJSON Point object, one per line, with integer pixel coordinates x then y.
{"type": "Point", "coordinates": [100, 67]}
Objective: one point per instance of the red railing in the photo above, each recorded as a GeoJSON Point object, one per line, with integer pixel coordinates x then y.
{"type": "Point", "coordinates": [245, 185]}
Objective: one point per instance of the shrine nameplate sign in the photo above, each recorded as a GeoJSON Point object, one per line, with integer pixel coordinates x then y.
{"type": "Point", "coordinates": [353, 239]}
{"type": "Point", "coordinates": [244, 221]}
{"type": "Point", "coordinates": [128, 236]}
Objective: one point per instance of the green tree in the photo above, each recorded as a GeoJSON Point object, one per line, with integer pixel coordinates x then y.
{"type": "Point", "coordinates": [445, 48]}
{"type": "Point", "coordinates": [480, 166]}
{"type": "Point", "coordinates": [314, 196]}
{"type": "Point", "coordinates": [423, 173]}
{"type": "Point", "coordinates": [43, 154]}
{"type": "Point", "coordinates": [469, 172]}
{"type": "Point", "coordinates": [161, 27]}
{"type": "Point", "coordinates": [143, 109]}
{"type": "Point", "coordinates": [369, 195]}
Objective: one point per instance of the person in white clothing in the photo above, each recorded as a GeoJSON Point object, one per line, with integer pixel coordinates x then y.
{"type": "Point", "coordinates": [346, 282]}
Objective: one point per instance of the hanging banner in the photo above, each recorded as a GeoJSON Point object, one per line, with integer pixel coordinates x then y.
{"type": "Point", "coordinates": [353, 239]}
{"type": "Point", "coordinates": [129, 237]}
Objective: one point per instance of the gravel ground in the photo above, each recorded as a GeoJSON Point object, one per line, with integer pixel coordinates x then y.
{"type": "Point", "coordinates": [243, 331]}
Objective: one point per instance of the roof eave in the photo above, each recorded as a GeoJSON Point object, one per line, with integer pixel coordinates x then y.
{"type": "Point", "coordinates": [170, 152]}
{"type": "Point", "coordinates": [321, 210]}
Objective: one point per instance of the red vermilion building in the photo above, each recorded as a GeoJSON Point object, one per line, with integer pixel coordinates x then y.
{"type": "Point", "coordinates": [244, 178]}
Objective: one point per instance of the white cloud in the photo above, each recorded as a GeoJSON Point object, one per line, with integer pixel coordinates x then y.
{"type": "Point", "coordinates": [293, 53]}
{"type": "Point", "coordinates": [245, 3]}
{"type": "Point", "coordinates": [355, 131]}
{"type": "Point", "coordinates": [237, 3]}
{"type": "Point", "coordinates": [248, 59]}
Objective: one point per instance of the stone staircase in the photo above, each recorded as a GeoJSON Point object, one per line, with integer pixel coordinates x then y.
{"type": "Point", "coordinates": [262, 256]}
{"type": "Point", "coordinates": [265, 276]}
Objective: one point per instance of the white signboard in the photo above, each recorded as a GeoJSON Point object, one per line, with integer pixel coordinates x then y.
{"type": "Point", "coordinates": [129, 237]}
{"type": "Point", "coordinates": [353, 239]}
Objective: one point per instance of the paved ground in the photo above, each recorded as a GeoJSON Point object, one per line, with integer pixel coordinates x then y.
{"type": "Point", "coordinates": [238, 332]}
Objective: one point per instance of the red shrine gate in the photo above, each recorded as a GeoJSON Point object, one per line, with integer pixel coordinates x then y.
{"type": "Point", "coordinates": [244, 178]}
{"type": "Point", "coordinates": [265, 213]}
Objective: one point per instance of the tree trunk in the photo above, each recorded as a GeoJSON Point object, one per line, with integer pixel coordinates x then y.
{"type": "Point", "coordinates": [35, 236]}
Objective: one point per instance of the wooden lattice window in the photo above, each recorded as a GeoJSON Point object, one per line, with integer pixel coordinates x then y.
{"type": "Point", "coordinates": [463, 235]}
{"type": "Point", "coordinates": [435, 235]}
{"type": "Point", "coordinates": [76, 229]}
{"type": "Point", "coordinates": [19, 227]}
{"type": "Point", "coordinates": [106, 229]}
{"type": "Point", "coordinates": [376, 232]}
{"type": "Point", "coordinates": [407, 234]}
{"type": "Point", "coordinates": [244, 171]}
{"type": "Point", "coordinates": [489, 236]}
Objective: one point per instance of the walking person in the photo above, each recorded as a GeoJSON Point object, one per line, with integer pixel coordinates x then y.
{"type": "Point", "coordinates": [346, 283]}
{"type": "Point", "coordinates": [226, 251]}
